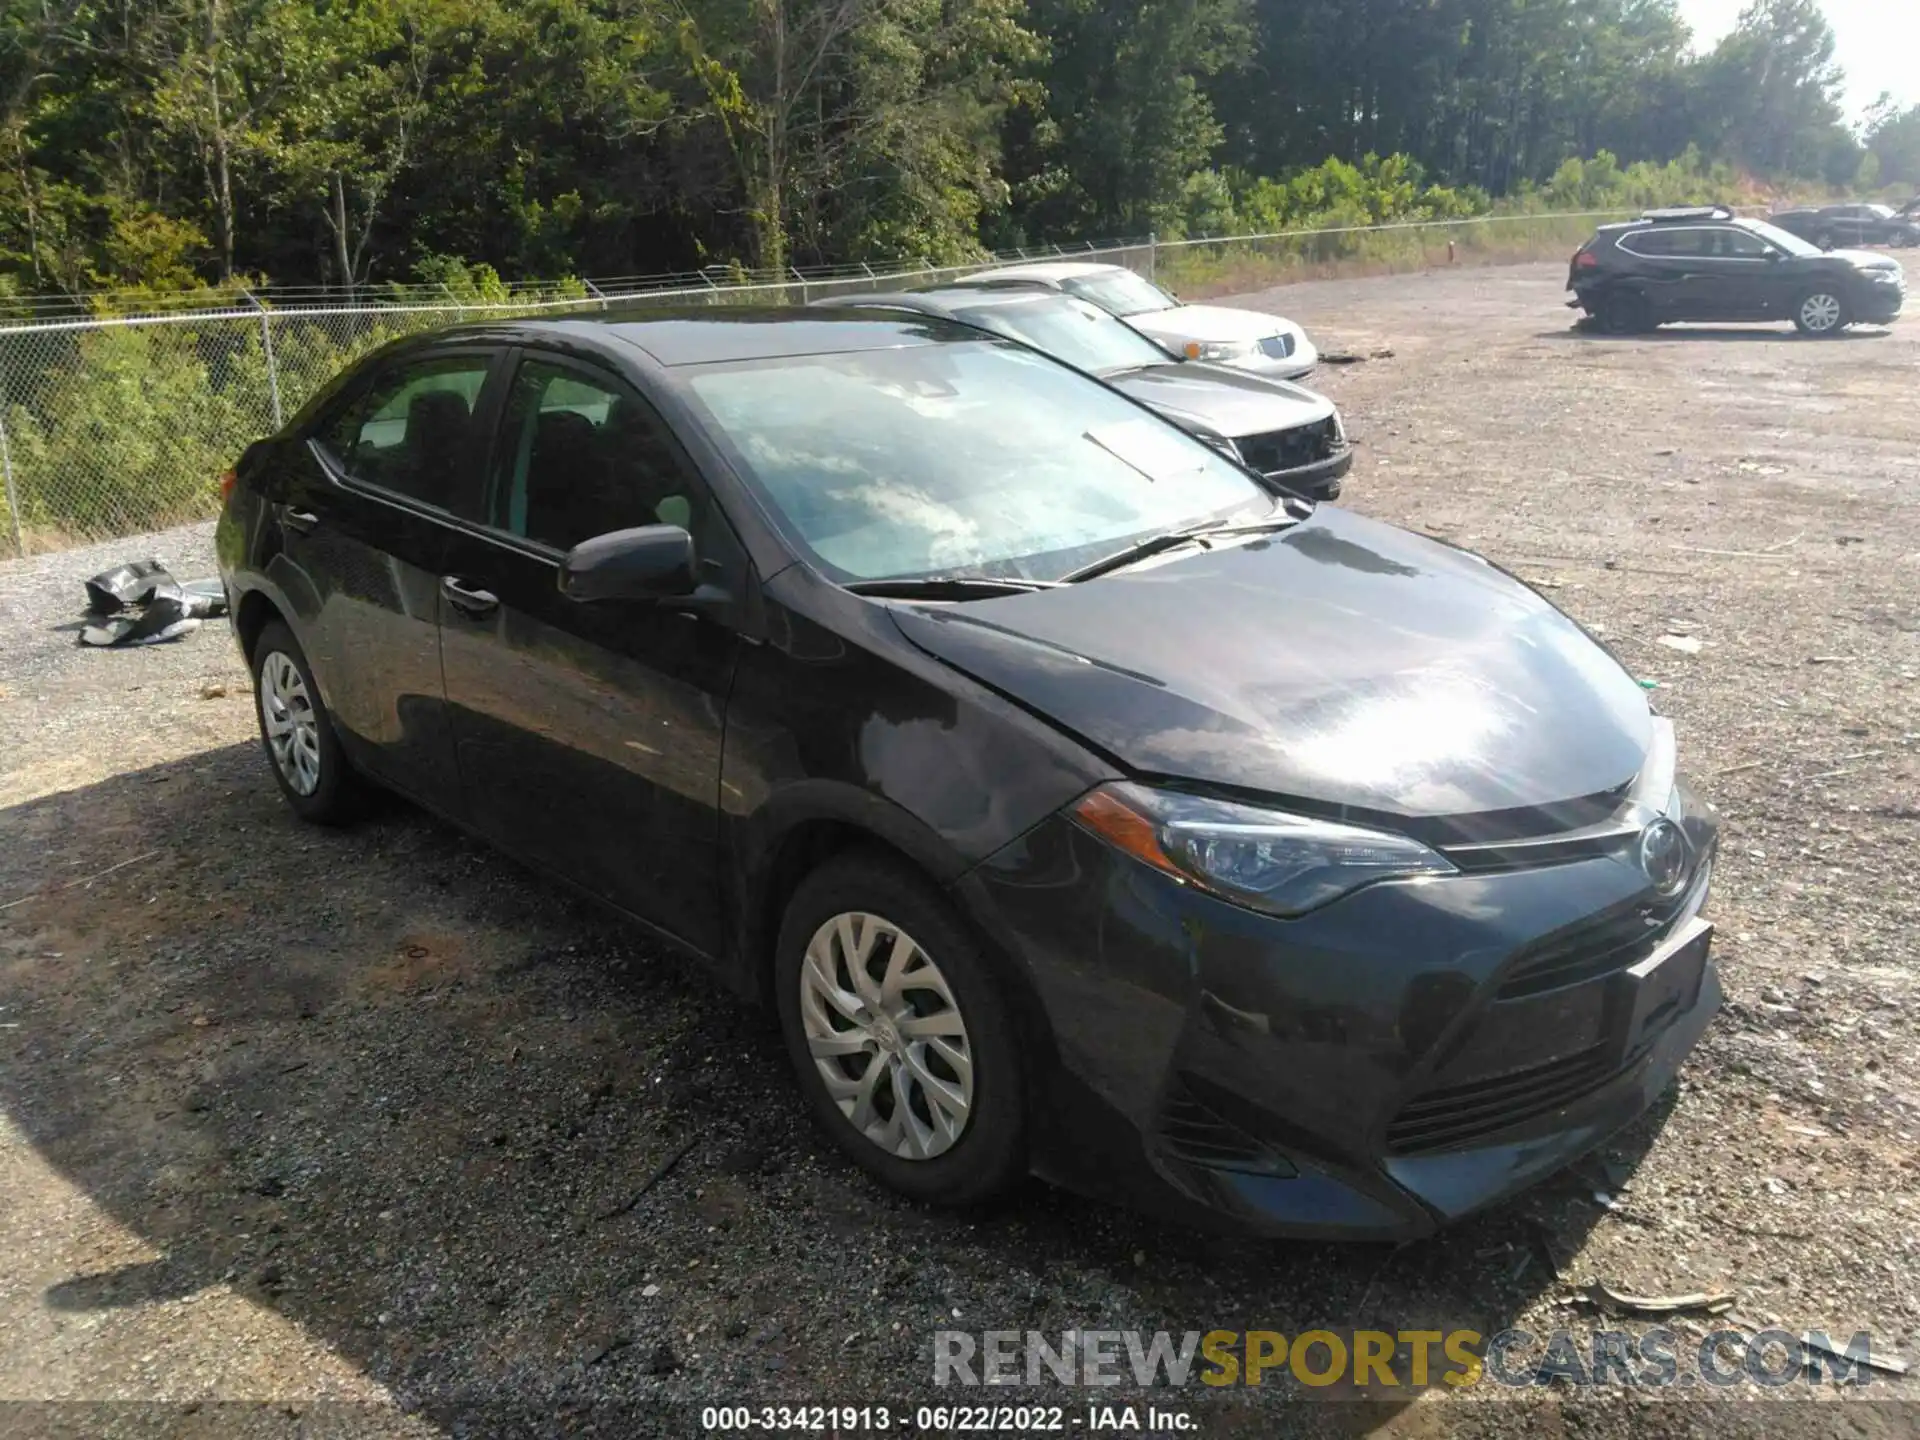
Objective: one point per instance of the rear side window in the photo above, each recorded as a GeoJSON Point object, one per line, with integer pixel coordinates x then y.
{"type": "Point", "coordinates": [582, 455]}
{"type": "Point", "coordinates": [412, 432]}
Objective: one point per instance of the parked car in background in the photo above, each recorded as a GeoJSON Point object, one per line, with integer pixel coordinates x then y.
{"type": "Point", "coordinates": [1077, 804]}
{"type": "Point", "coordinates": [1833, 226]}
{"type": "Point", "coordinates": [1290, 435]}
{"type": "Point", "coordinates": [1223, 334]}
{"type": "Point", "coordinates": [1706, 264]}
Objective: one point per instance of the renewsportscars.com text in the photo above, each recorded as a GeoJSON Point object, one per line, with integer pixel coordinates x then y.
{"type": "Point", "coordinates": [1402, 1359]}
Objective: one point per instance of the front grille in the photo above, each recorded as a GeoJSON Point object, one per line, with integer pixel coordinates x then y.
{"type": "Point", "coordinates": [1288, 449]}
{"type": "Point", "coordinates": [1592, 952]}
{"type": "Point", "coordinates": [1607, 945]}
{"type": "Point", "coordinates": [1198, 1134]}
{"type": "Point", "coordinates": [1277, 347]}
{"type": "Point", "coordinates": [1457, 1114]}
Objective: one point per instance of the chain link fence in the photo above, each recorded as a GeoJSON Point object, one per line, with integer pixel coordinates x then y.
{"type": "Point", "coordinates": [116, 425]}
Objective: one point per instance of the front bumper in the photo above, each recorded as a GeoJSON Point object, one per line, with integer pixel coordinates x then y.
{"type": "Point", "coordinates": [1876, 304]}
{"type": "Point", "coordinates": [1320, 480]}
{"type": "Point", "coordinates": [1372, 1070]}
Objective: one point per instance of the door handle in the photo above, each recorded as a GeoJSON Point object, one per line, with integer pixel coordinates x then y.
{"type": "Point", "coordinates": [301, 522]}
{"type": "Point", "coordinates": [471, 602]}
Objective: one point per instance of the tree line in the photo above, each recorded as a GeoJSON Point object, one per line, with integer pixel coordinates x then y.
{"type": "Point", "coordinates": [170, 143]}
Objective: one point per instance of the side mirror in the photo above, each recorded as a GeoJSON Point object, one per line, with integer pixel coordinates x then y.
{"type": "Point", "coordinates": [654, 562]}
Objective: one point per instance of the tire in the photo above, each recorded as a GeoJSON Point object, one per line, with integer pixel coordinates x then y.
{"type": "Point", "coordinates": [297, 735]}
{"type": "Point", "coordinates": [1821, 312]}
{"type": "Point", "coordinates": [864, 902]}
{"type": "Point", "coordinates": [1626, 312]}
{"type": "Point", "coordinates": [1824, 240]}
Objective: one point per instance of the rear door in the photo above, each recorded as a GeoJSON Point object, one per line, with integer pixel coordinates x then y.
{"type": "Point", "coordinates": [365, 515]}
{"type": "Point", "coordinates": [1676, 282]}
{"type": "Point", "coordinates": [589, 735]}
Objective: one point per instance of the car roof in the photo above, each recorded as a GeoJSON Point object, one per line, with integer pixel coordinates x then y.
{"type": "Point", "coordinates": [708, 334]}
{"type": "Point", "coordinates": [1686, 214]}
{"type": "Point", "coordinates": [1052, 270]}
{"type": "Point", "coordinates": [938, 299]}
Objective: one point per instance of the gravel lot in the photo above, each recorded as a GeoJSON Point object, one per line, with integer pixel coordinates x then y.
{"type": "Point", "coordinates": [352, 1125]}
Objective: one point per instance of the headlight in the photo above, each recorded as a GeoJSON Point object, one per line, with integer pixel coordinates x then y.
{"type": "Point", "coordinates": [1222, 349]}
{"type": "Point", "coordinates": [1263, 859]}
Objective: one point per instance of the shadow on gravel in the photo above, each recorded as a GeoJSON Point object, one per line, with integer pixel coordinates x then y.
{"type": "Point", "coordinates": [397, 1090]}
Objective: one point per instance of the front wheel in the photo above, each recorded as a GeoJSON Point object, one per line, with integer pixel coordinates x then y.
{"type": "Point", "coordinates": [297, 733]}
{"type": "Point", "coordinates": [900, 1035]}
{"type": "Point", "coordinates": [1821, 312]}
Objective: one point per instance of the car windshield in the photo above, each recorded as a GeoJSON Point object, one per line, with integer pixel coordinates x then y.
{"type": "Point", "coordinates": [1083, 335]}
{"type": "Point", "coordinates": [1782, 239]}
{"type": "Point", "coordinates": [1880, 212]}
{"type": "Point", "coordinates": [1120, 292]}
{"type": "Point", "coordinates": [976, 458]}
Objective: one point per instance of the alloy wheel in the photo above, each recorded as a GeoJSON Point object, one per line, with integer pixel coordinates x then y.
{"type": "Point", "coordinates": [887, 1036]}
{"type": "Point", "coordinates": [1820, 313]}
{"type": "Point", "coordinates": [292, 729]}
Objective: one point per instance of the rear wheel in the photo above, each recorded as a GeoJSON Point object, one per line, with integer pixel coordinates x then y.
{"type": "Point", "coordinates": [1626, 312]}
{"type": "Point", "coordinates": [899, 1033]}
{"type": "Point", "coordinates": [297, 733]}
{"type": "Point", "coordinates": [1824, 240]}
{"type": "Point", "coordinates": [1821, 312]}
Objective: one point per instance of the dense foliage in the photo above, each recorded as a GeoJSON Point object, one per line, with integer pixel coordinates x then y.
{"type": "Point", "coordinates": [162, 143]}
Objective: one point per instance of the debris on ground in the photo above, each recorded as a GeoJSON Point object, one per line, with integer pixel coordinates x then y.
{"type": "Point", "coordinates": [1814, 1340]}
{"type": "Point", "coordinates": [1685, 644]}
{"type": "Point", "coordinates": [140, 603]}
{"type": "Point", "coordinates": [1617, 1302]}
{"type": "Point", "coordinates": [674, 1157]}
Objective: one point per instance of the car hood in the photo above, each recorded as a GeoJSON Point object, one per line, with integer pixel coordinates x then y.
{"type": "Point", "coordinates": [1228, 402]}
{"type": "Point", "coordinates": [1864, 259]}
{"type": "Point", "coordinates": [1344, 662]}
{"type": "Point", "coordinates": [1210, 322]}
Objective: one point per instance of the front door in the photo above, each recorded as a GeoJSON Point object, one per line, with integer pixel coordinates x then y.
{"type": "Point", "coordinates": [589, 735]}
{"type": "Point", "coordinates": [364, 511]}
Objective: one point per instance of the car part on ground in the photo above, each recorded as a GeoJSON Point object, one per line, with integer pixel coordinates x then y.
{"type": "Point", "coordinates": [1222, 335]}
{"type": "Point", "coordinates": [1291, 435]}
{"type": "Point", "coordinates": [140, 603]}
{"type": "Point", "coordinates": [1079, 806]}
{"type": "Point", "coordinates": [1708, 265]}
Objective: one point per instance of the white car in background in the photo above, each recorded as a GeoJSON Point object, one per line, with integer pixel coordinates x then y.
{"type": "Point", "coordinates": [1246, 339]}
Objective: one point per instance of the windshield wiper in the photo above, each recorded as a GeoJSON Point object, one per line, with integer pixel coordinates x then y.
{"type": "Point", "coordinates": [1173, 540]}
{"type": "Point", "coordinates": [948, 587]}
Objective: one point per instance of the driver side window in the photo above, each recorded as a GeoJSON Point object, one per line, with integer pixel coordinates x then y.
{"type": "Point", "coordinates": [581, 455]}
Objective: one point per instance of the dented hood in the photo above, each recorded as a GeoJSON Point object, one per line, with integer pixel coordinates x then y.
{"type": "Point", "coordinates": [1343, 661]}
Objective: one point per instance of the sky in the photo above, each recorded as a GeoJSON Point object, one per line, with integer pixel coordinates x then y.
{"type": "Point", "coordinates": [1878, 43]}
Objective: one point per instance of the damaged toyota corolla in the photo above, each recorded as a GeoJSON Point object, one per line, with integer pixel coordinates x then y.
{"type": "Point", "coordinates": [1077, 803]}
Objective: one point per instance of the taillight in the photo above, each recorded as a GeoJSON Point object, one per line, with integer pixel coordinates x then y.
{"type": "Point", "coordinates": [1586, 260]}
{"type": "Point", "coordinates": [227, 482]}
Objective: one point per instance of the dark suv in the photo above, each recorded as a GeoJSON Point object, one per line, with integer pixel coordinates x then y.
{"type": "Point", "coordinates": [1832, 226]}
{"type": "Point", "coordinates": [1707, 264]}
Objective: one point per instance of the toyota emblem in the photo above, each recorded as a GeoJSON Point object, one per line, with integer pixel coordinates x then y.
{"type": "Point", "coordinates": [1663, 855]}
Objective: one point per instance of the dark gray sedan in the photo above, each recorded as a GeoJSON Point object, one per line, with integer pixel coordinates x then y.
{"type": "Point", "coordinates": [1287, 433]}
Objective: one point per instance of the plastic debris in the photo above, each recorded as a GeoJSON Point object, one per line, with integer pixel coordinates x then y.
{"type": "Point", "coordinates": [1685, 644]}
{"type": "Point", "coordinates": [140, 603]}
{"type": "Point", "coordinates": [1616, 1302]}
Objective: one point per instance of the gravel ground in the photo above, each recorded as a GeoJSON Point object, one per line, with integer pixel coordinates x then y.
{"type": "Point", "coordinates": [358, 1127]}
